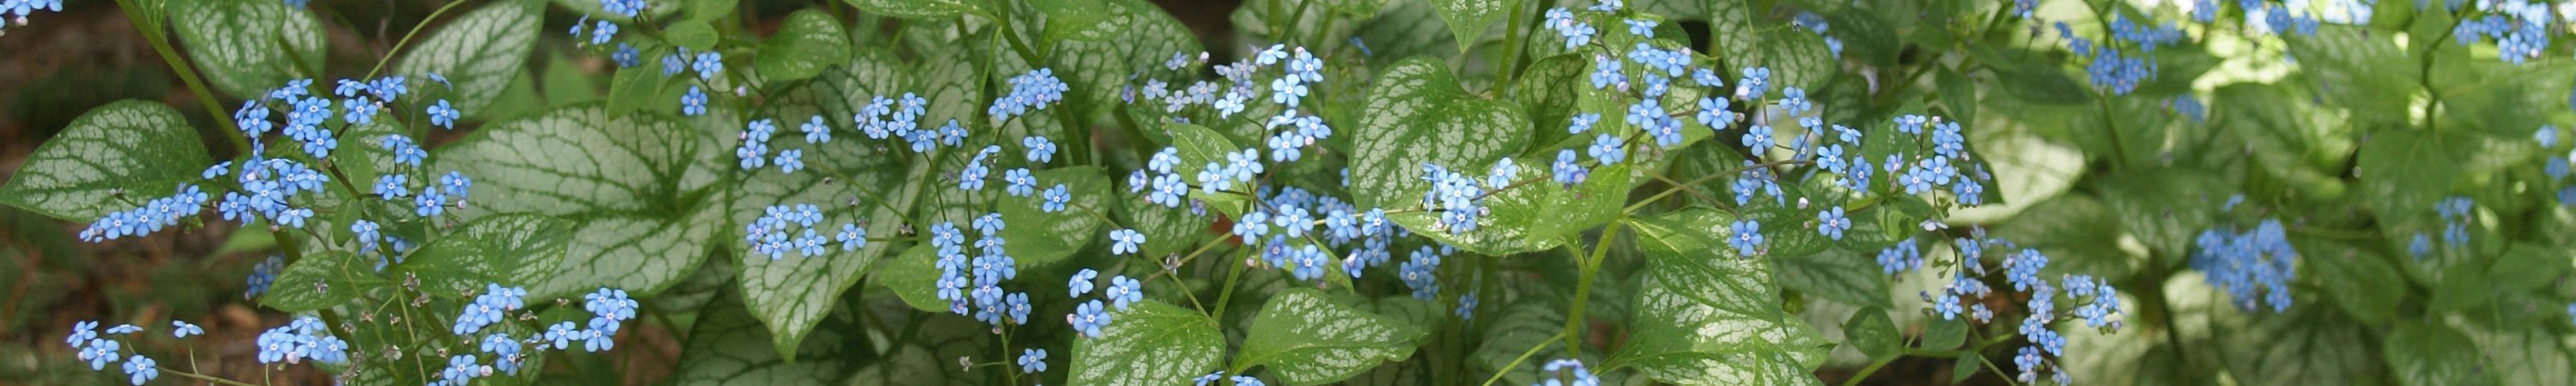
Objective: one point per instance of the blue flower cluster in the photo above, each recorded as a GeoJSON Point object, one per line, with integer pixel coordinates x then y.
{"type": "Point", "coordinates": [2107, 67]}
{"type": "Point", "coordinates": [100, 350]}
{"type": "Point", "coordinates": [303, 338]}
{"type": "Point", "coordinates": [19, 9]}
{"type": "Point", "coordinates": [2520, 29]}
{"type": "Point", "coordinates": [2243, 264]}
{"type": "Point", "coordinates": [154, 215]}
{"type": "Point", "coordinates": [972, 286]}
{"type": "Point", "coordinates": [1034, 90]}
{"type": "Point", "coordinates": [1212, 377]}
{"type": "Point", "coordinates": [1816, 23]}
{"type": "Point", "coordinates": [492, 306]}
{"type": "Point", "coordinates": [1458, 197]}
{"type": "Point", "coordinates": [1567, 372]}
{"type": "Point", "coordinates": [774, 233]}
{"type": "Point", "coordinates": [2557, 165]}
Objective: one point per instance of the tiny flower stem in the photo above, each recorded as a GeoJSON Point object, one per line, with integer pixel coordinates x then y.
{"type": "Point", "coordinates": [203, 377]}
{"type": "Point", "coordinates": [150, 22]}
{"type": "Point", "coordinates": [406, 39]}
{"type": "Point", "coordinates": [1583, 289]}
{"type": "Point", "coordinates": [1525, 356]}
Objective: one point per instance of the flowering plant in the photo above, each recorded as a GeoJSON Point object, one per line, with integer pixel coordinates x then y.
{"type": "Point", "coordinates": [1674, 192]}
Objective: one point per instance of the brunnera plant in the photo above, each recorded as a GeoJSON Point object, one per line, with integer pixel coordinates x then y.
{"type": "Point", "coordinates": [1366, 192]}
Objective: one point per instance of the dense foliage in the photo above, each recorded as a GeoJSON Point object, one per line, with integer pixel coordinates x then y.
{"type": "Point", "coordinates": [1359, 191]}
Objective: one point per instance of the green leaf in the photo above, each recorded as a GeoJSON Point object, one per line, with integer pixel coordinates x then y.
{"type": "Point", "coordinates": [1873, 333]}
{"type": "Point", "coordinates": [1944, 334]}
{"type": "Point", "coordinates": [111, 158]}
{"type": "Point", "coordinates": [1959, 95]}
{"type": "Point", "coordinates": [1797, 58]}
{"type": "Point", "coordinates": [1303, 338]}
{"type": "Point", "coordinates": [622, 180]}
{"type": "Point", "coordinates": [805, 43]}
{"type": "Point", "coordinates": [1075, 19]}
{"type": "Point", "coordinates": [340, 277]}
{"type": "Point", "coordinates": [2420, 354]}
{"type": "Point", "coordinates": [1150, 343]}
{"type": "Point", "coordinates": [695, 35]}
{"type": "Point", "coordinates": [2371, 77]}
{"type": "Point", "coordinates": [1837, 274]}
{"type": "Point", "coordinates": [634, 88]}
{"type": "Point", "coordinates": [711, 9]}
{"type": "Point", "coordinates": [1704, 320]}
{"type": "Point", "coordinates": [248, 47]}
{"type": "Point", "coordinates": [1040, 239]}
{"type": "Point", "coordinates": [1468, 19]}
{"type": "Point", "coordinates": [2403, 171]}
{"type": "Point", "coordinates": [1548, 90]}
{"type": "Point", "coordinates": [726, 346]}
{"type": "Point", "coordinates": [1096, 69]}
{"type": "Point", "coordinates": [920, 9]}
{"type": "Point", "coordinates": [480, 53]}
{"type": "Point", "coordinates": [2359, 280]}
{"type": "Point", "coordinates": [1418, 116]}
{"type": "Point", "coordinates": [491, 249]}
{"type": "Point", "coordinates": [1534, 217]}
{"type": "Point", "coordinates": [2165, 207]}
{"type": "Point", "coordinates": [913, 277]}
{"type": "Point", "coordinates": [2308, 345]}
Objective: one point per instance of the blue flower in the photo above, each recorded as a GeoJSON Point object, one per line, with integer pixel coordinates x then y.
{"type": "Point", "coordinates": [429, 204]}
{"type": "Point", "coordinates": [1832, 223]}
{"type": "Point", "coordinates": [442, 116]}
{"type": "Point", "coordinates": [360, 110]}
{"type": "Point", "coordinates": [1088, 318]}
{"type": "Point", "coordinates": [1565, 171]}
{"type": "Point", "coordinates": [140, 369]}
{"type": "Point", "coordinates": [1747, 239]}
{"type": "Point", "coordinates": [708, 64]}
{"type": "Point", "coordinates": [1714, 114]}
{"type": "Point", "coordinates": [602, 31]}
{"type": "Point", "coordinates": [1055, 199]}
{"type": "Point", "coordinates": [693, 103]}
{"type": "Point", "coordinates": [82, 333]}
{"type": "Point", "coordinates": [1831, 159]}
{"type": "Point", "coordinates": [1758, 138]}
{"type": "Point", "coordinates": [1040, 150]}
{"type": "Point", "coordinates": [455, 184]}
{"type": "Point", "coordinates": [1123, 291]}
{"type": "Point", "coordinates": [1606, 72]}
{"type": "Point", "coordinates": [1755, 82]}
{"type": "Point", "coordinates": [1645, 28]}
{"type": "Point", "coordinates": [1125, 241]}
{"type": "Point", "coordinates": [851, 237]}
{"type": "Point", "coordinates": [2420, 246]}
{"type": "Point", "coordinates": [1021, 183]}
{"type": "Point", "coordinates": [560, 334]}
{"type": "Point", "coordinates": [1246, 380]}
{"type": "Point", "coordinates": [1608, 149]}
{"type": "Point", "coordinates": [1794, 101]}
{"type": "Point", "coordinates": [1581, 122]}
{"type": "Point", "coordinates": [791, 159]}
{"type": "Point", "coordinates": [405, 152]}
{"type": "Point", "coordinates": [1033, 361]}
{"type": "Point", "coordinates": [181, 329]}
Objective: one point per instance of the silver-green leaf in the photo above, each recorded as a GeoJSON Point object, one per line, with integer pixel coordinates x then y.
{"type": "Point", "coordinates": [112, 158]}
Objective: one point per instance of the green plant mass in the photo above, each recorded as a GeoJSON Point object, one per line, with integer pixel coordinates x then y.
{"type": "Point", "coordinates": [1291, 192]}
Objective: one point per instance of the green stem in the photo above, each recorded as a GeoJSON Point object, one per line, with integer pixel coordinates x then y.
{"type": "Point", "coordinates": [1865, 371]}
{"type": "Point", "coordinates": [1583, 289]}
{"type": "Point", "coordinates": [1525, 356]}
{"type": "Point", "coordinates": [406, 39]}
{"type": "Point", "coordinates": [1512, 45]}
{"type": "Point", "coordinates": [203, 377]}
{"type": "Point", "coordinates": [149, 23]}
{"type": "Point", "coordinates": [1227, 294]}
